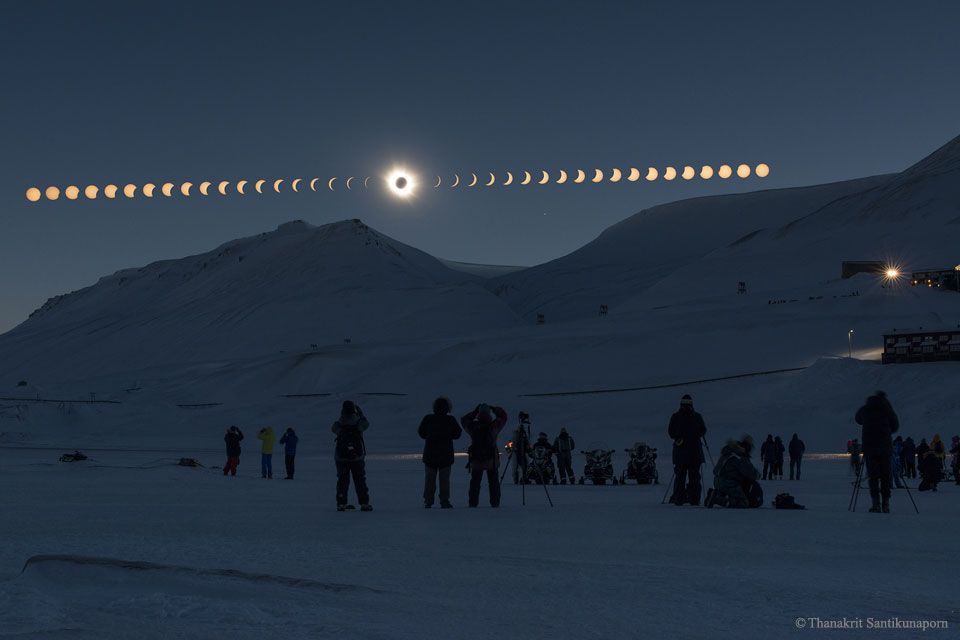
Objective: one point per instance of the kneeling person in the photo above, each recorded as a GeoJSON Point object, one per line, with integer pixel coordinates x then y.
{"type": "Point", "coordinates": [735, 478]}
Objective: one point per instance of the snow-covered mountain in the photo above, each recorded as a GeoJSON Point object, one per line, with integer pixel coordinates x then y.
{"type": "Point", "coordinates": [285, 290]}
{"type": "Point", "coordinates": [770, 239]}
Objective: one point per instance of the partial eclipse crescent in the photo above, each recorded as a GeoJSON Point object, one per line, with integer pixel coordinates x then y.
{"type": "Point", "coordinates": [129, 191]}
{"type": "Point", "coordinates": [295, 183]}
{"type": "Point", "coordinates": [365, 181]}
{"type": "Point", "coordinates": [509, 180]}
{"type": "Point", "coordinates": [456, 181]}
{"type": "Point", "coordinates": [688, 173]}
{"type": "Point", "coordinates": [597, 175]}
{"type": "Point", "coordinates": [111, 191]}
{"type": "Point", "coordinates": [240, 187]}
{"type": "Point", "coordinates": [276, 185]}
{"type": "Point", "coordinates": [669, 173]}
{"type": "Point", "coordinates": [545, 178]}
{"type": "Point", "coordinates": [166, 189]}
{"type": "Point", "coordinates": [581, 176]}
{"type": "Point", "coordinates": [526, 178]}
{"type": "Point", "coordinates": [185, 188]}
{"type": "Point", "coordinates": [634, 174]}
{"type": "Point", "coordinates": [148, 189]}
{"type": "Point", "coordinates": [563, 177]}
{"type": "Point", "coordinates": [652, 174]}
{"type": "Point", "coordinates": [222, 187]}
{"type": "Point", "coordinates": [348, 182]}
{"type": "Point", "coordinates": [330, 183]}
{"type": "Point", "coordinates": [259, 186]}
{"type": "Point", "coordinates": [313, 184]}
{"type": "Point", "coordinates": [439, 182]}
{"type": "Point", "coordinates": [205, 188]}
{"type": "Point", "coordinates": [616, 175]}
{"type": "Point", "coordinates": [473, 180]}
{"type": "Point", "coordinates": [493, 180]}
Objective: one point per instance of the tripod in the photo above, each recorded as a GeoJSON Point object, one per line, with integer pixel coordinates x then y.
{"type": "Point", "coordinates": [525, 423]}
{"type": "Point", "coordinates": [673, 476]}
{"type": "Point", "coordinates": [857, 488]}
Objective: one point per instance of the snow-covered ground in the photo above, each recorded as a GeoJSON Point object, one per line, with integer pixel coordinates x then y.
{"type": "Point", "coordinates": [606, 562]}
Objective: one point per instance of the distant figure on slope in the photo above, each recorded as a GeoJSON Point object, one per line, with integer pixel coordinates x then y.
{"type": "Point", "coordinates": [289, 440]}
{"type": "Point", "coordinates": [909, 458]}
{"type": "Point", "coordinates": [930, 472]}
{"type": "Point", "coordinates": [767, 457]}
{"type": "Point", "coordinates": [778, 450]}
{"type": "Point", "coordinates": [564, 446]}
{"type": "Point", "coordinates": [232, 439]}
{"type": "Point", "coordinates": [955, 458]}
{"type": "Point", "coordinates": [483, 424]}
{"type": "Point", "coordinates": [521, 447]}
{"type": "Point", "coordinates": [879, 423]}
{"type": "Point", "coordinates": [853, 448]}
{"type": "Point", "coordinates": [349, 455]}
{"type": "Point", "coordinates": [735, 478]}
{"type": "Point", "coordinates": [796, 448]}
{"type": "Point", "coordinates": [266, 438]}
{"type": "Point", "coordinates": [438, 430]}
{"type": "Point", "coordinates": [687, 430]}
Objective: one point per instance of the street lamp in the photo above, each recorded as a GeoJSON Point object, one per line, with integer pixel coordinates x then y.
{"type": "Point", "coordinates": [850, 343]}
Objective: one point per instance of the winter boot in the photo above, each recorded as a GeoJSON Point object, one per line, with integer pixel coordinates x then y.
{"type": "Point", "coordinates": [885, 505]}
{"type": "Point", "coordinates": [366, 507]}
{"type": "Point", "coordinates": [446, 505]}
{"type": "Point", "coordinates": [341, 507]}
{"type": "Point", "coordinates": [875, 507]}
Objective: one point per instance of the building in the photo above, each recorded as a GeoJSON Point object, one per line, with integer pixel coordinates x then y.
{"type": "Point", "coordinates": [921, 345]}
{"type": "Point", "coordinates": [850, 268]}
{"type": "Point", "coordinates": [937, 278]}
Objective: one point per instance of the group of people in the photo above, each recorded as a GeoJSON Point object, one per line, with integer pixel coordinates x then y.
{"type": "Point", "coordinates": [771, 455]}
{"type": "Point", "coordinates": [735, 478]}
{"type": "Point", "coordinates": [908, 460]}
{"type": "Point", "coordinates": [542, 452]}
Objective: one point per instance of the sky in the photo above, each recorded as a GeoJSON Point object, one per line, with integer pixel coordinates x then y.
{"type": "Point", "coordinates": [118, 92]}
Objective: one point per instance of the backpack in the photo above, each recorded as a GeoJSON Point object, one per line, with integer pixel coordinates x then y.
{"type": "Point", "coordinates": [350, 444]}
{"type": "Point", "coordinates": [786, 501]}
{"type": "Point", "coordinates": [484, 446]}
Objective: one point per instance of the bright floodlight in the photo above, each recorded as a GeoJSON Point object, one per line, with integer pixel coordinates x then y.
{"type": "Point", "coordinates": [892, 273]}
{"type": "Point", "coordinates": [401, 183]}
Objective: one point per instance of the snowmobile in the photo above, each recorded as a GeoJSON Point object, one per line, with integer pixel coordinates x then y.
{"type": "Point", "coordinates": [76, 456]}
{"type": "Point", "coordinates": [642, 465]}
{"type": "Point", "coordinates": [540, 468]}
{"type": "Point", "coordinates": [599, 467]}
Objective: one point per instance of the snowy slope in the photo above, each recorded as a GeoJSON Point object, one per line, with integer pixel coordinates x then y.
{"type": "Point", "coordinates": [288, 289]}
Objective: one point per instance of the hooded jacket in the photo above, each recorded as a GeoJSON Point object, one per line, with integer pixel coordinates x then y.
{"type": "Point", "coordinates": [879, 424]}
{"type": "Point", "coordinates": [438, 432]}
{"type": "Point", "coordinates": [266, 438]}
{"type": "Point", "coordinates": [733, 472]}
{"type": "Point", "coordinates": [346, 422]}
{"type": "Point", "coordinates": [483, 450]}
{"type": "Point", "coordinates": [687, 429]}
{"type": "Point", "coordinates": [289, 440]}
{"type": "Point", "coordinates": [937, 446]}
{"type": "Point", "coordinates": [232, 439]}
{"type": "Point", "coordinates": [796, 447]}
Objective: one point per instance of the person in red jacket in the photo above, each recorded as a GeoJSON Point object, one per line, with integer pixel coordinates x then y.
{"type": "Point", "coordinates": [483, 424]}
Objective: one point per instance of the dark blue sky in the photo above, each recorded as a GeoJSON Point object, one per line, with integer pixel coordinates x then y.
{"type": "Point", "coordinates": [101, 92]}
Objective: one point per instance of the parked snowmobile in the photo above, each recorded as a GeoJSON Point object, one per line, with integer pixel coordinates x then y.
{"type": "Point", "coordinates": [642, 465]}
{"type": "Point", "coordinates": [599, 467]}
{"type": "Point", "coordinates": [76, 456]}
{"type": "Point", "coordinates": [540, 468]}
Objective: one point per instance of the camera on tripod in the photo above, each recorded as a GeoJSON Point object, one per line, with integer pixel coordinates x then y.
{"type": "Point", "coordinates": [524, 418]}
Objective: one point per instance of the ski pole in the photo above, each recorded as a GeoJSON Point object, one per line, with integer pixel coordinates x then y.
{"type": "Point", "coordinates": [506, 466]}
{"type": "Point", "coordinates": [704, 439]}
{"type": "Point", "coordinates": [669, 486]}
{"type": "Point", "coordinates": [907, 487]}
{"type": "Point", "coordinates": [856, 490]}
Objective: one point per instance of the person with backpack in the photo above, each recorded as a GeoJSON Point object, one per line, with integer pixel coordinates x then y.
{"type": "Point", "coordinates": [767, 455]}
{"type": "Point", "coordinates": [289, 440]}
{"type": "Point", "coordinates": [955, 458]}
{"type": "Point", "coordinates": [521, 447]}
{"type": "Point", "coordinates": [930, 472]}
{"type": "Point", "coordinates": [266, 438]}
{"type": "Point", "coordinates": [939, 450]}
{"type": "Point", "coordinates": [438, 430]}
{"type": "Point", "coordinates": [483, 425]}
{"type": "Point", "coordinates": [879, 422]}
{"type": "Point", "coordinates": [687, 430]}
{"type": "Point", "coordinates": [910, 458]}
{"type": "Point", "coordinates": [349, 454]}
{"type": "Point", "coordinates": [564, 446]}
{"type": "Point", "coordinates": [796, 449]}
{"type": "Point", "coordinates": [232, 438]}
{"type": "Point", "coordinates": [778, 450]}
{"type": "Point", "coordinates": [735, 478]}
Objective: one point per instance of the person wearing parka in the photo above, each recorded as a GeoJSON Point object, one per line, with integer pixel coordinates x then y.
{"type": "Point", "coordinates": [796, 448]}
{"type": "Point", "coordinates": [349, 455]}
{"type": "Point", "coordinates": [879, 422]}
{"type": "Point", "coordinates": [687, 431]}
{"type": "Point", "coordinates": [266, 438]}
{"type": "Point", "coordinates": [232, 439]}
{"type": "Point", "coordinates": [438, 431]}
{"type": "Point", "coordinates": [483, 425]}
{"type": "Point", "coordinates": [289, 440]}
{"type": "Point", "coordinates": [735, 478]}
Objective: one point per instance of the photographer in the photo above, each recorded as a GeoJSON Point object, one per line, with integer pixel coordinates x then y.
{"type": "Point", "coordinates": [438, 430]}
{"type": "Point", "coordinates": [266, 438]}
{"type": "Point", "coordinates": [232, 438]}
{"type": "Point", "coordinates": [879, 423]}
{"type": "Point", "coordinates": [349, 455]}
{"type": "Point", "coordinates": [483, 424]}
{"type": "Point", "coordinates": [289, 440]}
{"type": "Point", "coordinates": [687, 430]}
{"type": "Point", "coordinates": [564, 446]}
{"type": "Point", "coordinates": [735, 478]}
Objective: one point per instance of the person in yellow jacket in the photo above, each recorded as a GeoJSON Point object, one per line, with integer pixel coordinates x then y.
{"type": "Point", "coordinates": [939, 450]}
{"type": "Point", "coordinates": [266, 438]}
